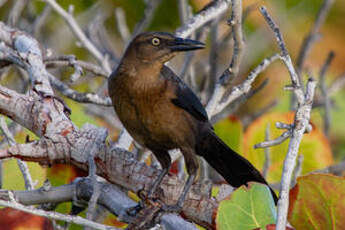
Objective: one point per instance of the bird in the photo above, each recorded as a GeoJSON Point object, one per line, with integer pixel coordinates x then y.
{"type": "Point", "coordinates": [162, 113]}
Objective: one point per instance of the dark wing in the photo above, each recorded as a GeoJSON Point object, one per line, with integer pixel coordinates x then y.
{"type": "Point", "coordinates": [185, 99]}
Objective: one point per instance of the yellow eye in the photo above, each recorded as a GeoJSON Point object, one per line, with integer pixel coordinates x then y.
{"type": "Point", "coordinates": [155, 41]}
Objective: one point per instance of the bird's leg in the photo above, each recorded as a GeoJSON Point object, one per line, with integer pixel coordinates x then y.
{"type": "Point", "coordinates": [164, 159]}
{"type": "Point", "coordinates": [157, 182]}
{"type": "Point", "coordinates": [192, 165]}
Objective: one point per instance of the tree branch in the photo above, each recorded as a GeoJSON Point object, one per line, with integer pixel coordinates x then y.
{"type": "Point", "coordinates": [80, 35]}
{"type": "Point", "coordinates": [22, 165]}
{"type": "Point", "coordinates": [323, 87]}
{"type": "Point", "coordinates": [211, 11]}
{"type": "Point", "coordinates": [313, 35]}
{"type": "Point", "coordinates": [301, 122]}
{"type": "Point", "coordinates": [54, 215]}
{"type": "Point", "coordinates": [53, 62]}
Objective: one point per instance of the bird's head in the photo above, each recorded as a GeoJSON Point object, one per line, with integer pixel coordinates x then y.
{"type": "Point", "coordinates": [158, 46]}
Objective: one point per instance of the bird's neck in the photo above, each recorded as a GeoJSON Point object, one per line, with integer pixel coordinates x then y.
{"type": "Point", "coordinates": [139, 77]}
{"type": "Point", "coordinates": [143, 71]}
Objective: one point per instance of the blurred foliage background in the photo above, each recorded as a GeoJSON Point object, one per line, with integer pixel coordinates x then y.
{"type": "Point", "coordinates": [240, 130]}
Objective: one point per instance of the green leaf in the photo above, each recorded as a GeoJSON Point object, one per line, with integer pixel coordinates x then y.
{"type": "Point", "coordinates": [13, 178]}
{"type": "Point", "coordinates": [79, 116]}
{"type": "Point", "coordinates": [246, 208]}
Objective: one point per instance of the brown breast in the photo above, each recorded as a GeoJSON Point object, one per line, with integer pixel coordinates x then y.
{"type": "Point", "coordinates": [145, 109]}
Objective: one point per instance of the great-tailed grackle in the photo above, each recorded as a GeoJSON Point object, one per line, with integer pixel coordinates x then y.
{"type": "Point", "coordinates": [162, 113]}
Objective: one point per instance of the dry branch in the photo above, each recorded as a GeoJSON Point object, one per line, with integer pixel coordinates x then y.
{"type": "Point", "coordinates": [301, 122]}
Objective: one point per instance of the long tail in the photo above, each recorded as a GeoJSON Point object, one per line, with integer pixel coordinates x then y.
{"type": "Point", "coordinates": [235, 169]}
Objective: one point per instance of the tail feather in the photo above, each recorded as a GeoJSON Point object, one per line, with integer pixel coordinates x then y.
{"type": "Point", "coordinates": [235, 169]}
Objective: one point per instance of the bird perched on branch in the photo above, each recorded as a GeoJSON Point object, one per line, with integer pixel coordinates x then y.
{"type": "Point", "coordinates": [162, 113]}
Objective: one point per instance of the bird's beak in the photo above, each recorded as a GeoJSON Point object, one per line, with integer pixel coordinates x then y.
{"type": "Point", "coordinates": [180, 44]}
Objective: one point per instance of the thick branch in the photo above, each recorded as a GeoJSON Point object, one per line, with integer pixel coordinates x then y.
{"type": "Point", "coordinates": [111, 197]}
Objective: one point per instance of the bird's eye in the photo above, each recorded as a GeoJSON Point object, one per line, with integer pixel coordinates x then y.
{"type": "Point", "coordinates": [155, 41]}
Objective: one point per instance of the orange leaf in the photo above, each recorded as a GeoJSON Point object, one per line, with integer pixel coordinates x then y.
{"type": "Point", "coordinates": [318, 202]}
{"type": "Point", "coordinates": [64, 173]}
{"type": "Point", "coordinates": [113, 221]}
{"type": "Point", "coordinates": [12, 219]}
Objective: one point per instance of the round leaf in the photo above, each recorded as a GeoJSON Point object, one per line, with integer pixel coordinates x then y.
{"type": "Point", "coordinates": [246, 208]}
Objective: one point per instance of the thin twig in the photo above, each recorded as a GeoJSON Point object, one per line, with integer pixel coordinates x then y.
{"type": "Point", "coordinates": [71, 60]}
{"type": "Point", "coordinates": [188, 57]}
{"type": "Point", "coordinates": [98, 35]}
{"type": "Point", "coordinates": [213, 57]}
{"type": "Point", "coordinates": [21, 164]}
{"type": "Point", "coordinates": [336, 169]}
{"type": "Point", "coordinates": [2, 2]}
{"type": "Point", "coordinates": [214, 106]}
{"type": "Point", "coordinates": [247, 120]}
{"type": "Point", "coordinates": [323, 87]}
{"type": "Point", "coordinates": [233, 107]}
{"type": "Point", "coordinates": [188, 61]}
{"type": "Point", "coordinates": [183, 9]}
{"type": "Point", "coordinates": [231, 72]}
{"type": "Point", "coordinates": [237, 35]}
{"type": "Point", "coordinates": [80, 34]}
{"type": "Point", "coordinates": [298, 170]}
{"type": "Point", "coordinates": [151, 6]}
{"type": "Point", "coordinates": [313, 35]}
{"type": "Point", "coordinates": [338, 84]}
{"type": "Point", "coordinates": [53, 62]}
{"type": "Point", "coordinates": [54, 215]}
{"type": "Point", "coordinates": [122, 24]}
{"type": "Point", "coordinates": [40, 20]}
{"type": "Point", "coordinates": [281, 125]}
{"type": "Point", "coordinates": [77, 96]}
{"type": "Point", "coordinates": [211, 11]}
{"type": "Point", "coordinates": [277, 141]}
{"type": "Point", "coordinates": [267, 162]}
{"type": "Point", "coordinates": [16, 11]}
{"type": "Point", "coordinates": [308, 42]}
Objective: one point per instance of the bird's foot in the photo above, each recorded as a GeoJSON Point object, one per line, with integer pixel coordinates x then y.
{"type": "Point", "coordinates": [145, 201]}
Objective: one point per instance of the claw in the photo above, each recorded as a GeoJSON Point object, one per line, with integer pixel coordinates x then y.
{"type": "Point", "coordinates": [133, 211]}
